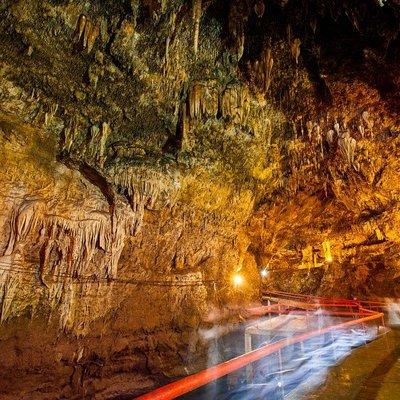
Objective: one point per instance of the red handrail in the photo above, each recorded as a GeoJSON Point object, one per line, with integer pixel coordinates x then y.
{"type": "Point", "coordinates": [335, 299]}
{"type": "Point", "coordinates": [192, 382]}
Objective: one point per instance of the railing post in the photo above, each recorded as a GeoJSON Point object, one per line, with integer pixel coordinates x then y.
{"type": "Point", "coordinates": [248, 348]}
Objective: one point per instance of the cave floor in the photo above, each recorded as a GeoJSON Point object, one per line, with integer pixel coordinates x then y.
{"type": "Point", "coordinates": [370, 372]}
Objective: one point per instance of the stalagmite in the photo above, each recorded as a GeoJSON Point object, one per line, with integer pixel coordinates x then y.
{"type": "Point", "coordinates": [361, 129]}
{"type": "Point", "coordinates": [336, 126]}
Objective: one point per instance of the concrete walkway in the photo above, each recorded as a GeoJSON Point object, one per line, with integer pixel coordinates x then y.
{"type": "Point", "coordinates": [371, 372]}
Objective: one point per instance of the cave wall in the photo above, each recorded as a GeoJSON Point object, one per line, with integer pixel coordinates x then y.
{"type": "Point", "coordinates": [342, 190]}
{"type": "Point", "coordinates": [152, 149]}
{"type": "Point", "coordinates": [130, 167]}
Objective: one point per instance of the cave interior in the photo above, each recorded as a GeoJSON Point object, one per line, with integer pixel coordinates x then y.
{"type": "Point", "coordinates": [178, 174]}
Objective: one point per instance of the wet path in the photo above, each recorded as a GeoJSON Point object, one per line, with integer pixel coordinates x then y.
{"type": "Point", "coordinates": [369, 373]}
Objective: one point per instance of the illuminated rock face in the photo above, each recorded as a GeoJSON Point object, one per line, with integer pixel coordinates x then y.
{"type": "Point", "coordinates": [156, 154]}
{"type": "Point", "coordinates": [344, 189]}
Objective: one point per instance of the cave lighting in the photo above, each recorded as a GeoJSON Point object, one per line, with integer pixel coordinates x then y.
{"type": "Point", "coordinates": [326, 246]}
{"type": "Point", "coordinates": [264, 273]}
{"type": "Point", "coordinates": [238, 280]}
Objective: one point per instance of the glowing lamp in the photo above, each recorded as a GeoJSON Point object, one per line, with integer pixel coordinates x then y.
{"type": "Point", "coordinates": [326, 247]}
{"type": "Point", "coordinates": [264, 273]}
{"type": "Point", "coordinates": [237, 279]}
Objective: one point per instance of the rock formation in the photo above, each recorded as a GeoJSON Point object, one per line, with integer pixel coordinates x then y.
{"type": "Point", "coordinates": [152, 149]}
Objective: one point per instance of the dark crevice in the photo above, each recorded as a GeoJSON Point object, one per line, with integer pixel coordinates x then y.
{"type": "Point", "coordinates": [93, 176]}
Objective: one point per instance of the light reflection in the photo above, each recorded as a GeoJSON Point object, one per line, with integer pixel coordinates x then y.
{"type": "Point", "coordinates": [296, 370]}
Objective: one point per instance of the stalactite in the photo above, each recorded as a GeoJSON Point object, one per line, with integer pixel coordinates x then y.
{"type": "Point", "coordinates": [202, 102]}
{"type": "Point", "coordinates": [368, 120]}
{"type": "Point", "coordinates": [348, 146]}
{"type": "Point", "coordinates": [93, 34]}
{"type": "Point", "coordinates": [166, 56]}
{"type": "Point", "coordinates": [235, 103]}
{"type": "Point", "coordinates": [262, 70]}
{"type": "Point", "coordinates": [289, 35]}
{"type": "Point", "coordinates": [48, 116]}
{"type": "Point", "coordinates": [185, 126]}
{"type": "Point", "coordinates": [194, 101]}
{"type": "Point", "coordinates": [8, 288]}
{"type": "Point", "coordinates": [259, 8]}
{"type": "Point", "coordinates": [69, 135]}
{"type": "Point", "coordinates": [268, 64]}
{"type": "Point", "coordinates": [98, 139]}
{"type": "Point", "coordinates": [209, 102]}
{"type": "Point", "coordinates": [86, 33]}
{"type": "Point", "coordinates": [73, 243]}
{"type": "Point", "coordinates": [313, 25]}
{"type": "Point", "coordinates": [318, 136]}
{"type": "Point", "coordinates": [143, 188]}
{"type": "Point", "coordinates": [295, 49]}
{"type": "Point", "coordinates": [80, 27]}
{"type": "Point", "coordinates": [229, 102]}
{"type": "Point", "coordinates": [245, 105]}
{"type": "Point", "coordinates": [24, 218]}
{"type": "Point", "coordinates": [105, 132]}
{"type": "Point", "coordinates": [196, 21]}
{"type": "Point", "coordinates": [310, 128]}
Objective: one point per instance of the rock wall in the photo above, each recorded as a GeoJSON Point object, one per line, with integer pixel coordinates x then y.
{"type": "Point", "coordinates": [334, 228]}
{"type": "Point", "coordinates": [131, 161]}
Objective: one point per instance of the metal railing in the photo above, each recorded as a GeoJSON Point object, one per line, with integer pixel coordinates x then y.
{"type": "Point", "coordinates": [359, 311]}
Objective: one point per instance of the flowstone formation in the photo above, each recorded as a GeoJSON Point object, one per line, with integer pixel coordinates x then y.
{"type": "Point", "coordinates": [153, 149]}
